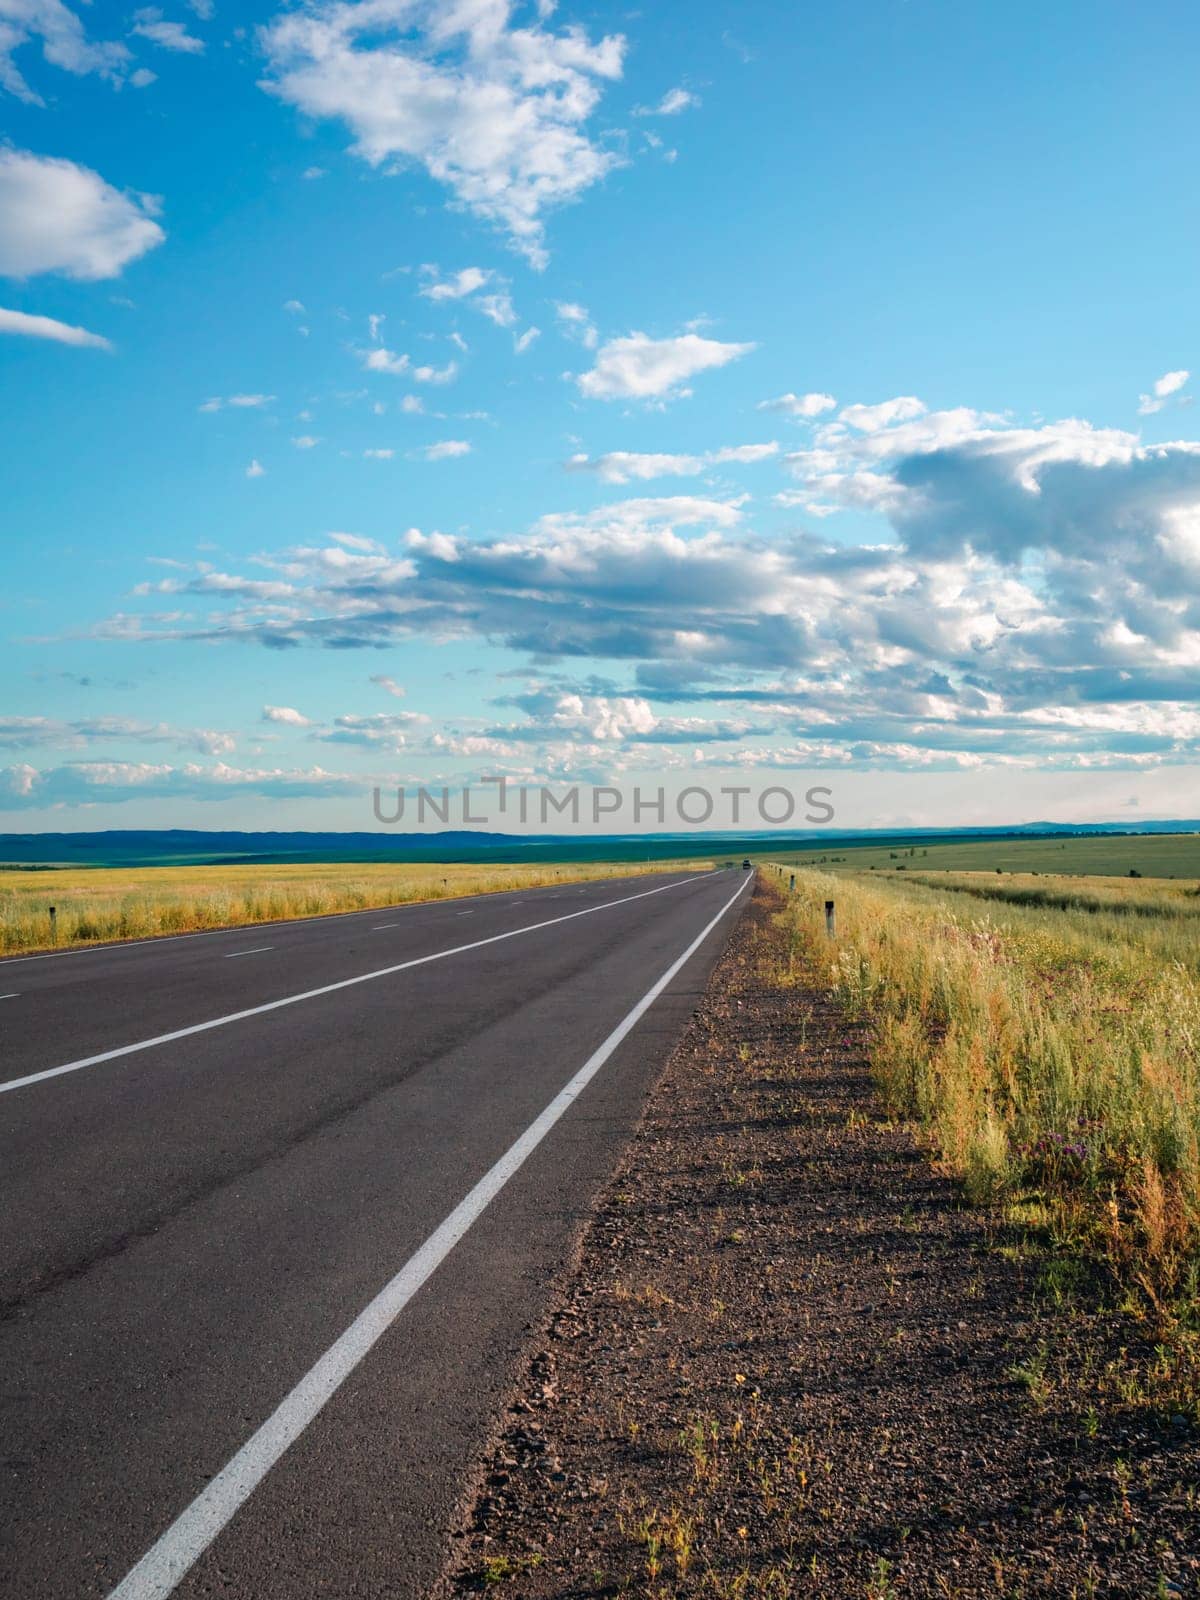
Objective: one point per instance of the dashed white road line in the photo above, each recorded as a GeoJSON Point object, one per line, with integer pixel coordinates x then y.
{"type": "Point", "coordinates": [240, 927]}
{"type": "Point", "coordinates": [379, 927]}
{"type": "Point", "coordinates": [168, 1561]}
{"type": "Point", "coordinates": [257, 951]}
{"type": "Point", "coordinates": [330, 988]}
{"type": "Point", "coordinates": [10, 996]}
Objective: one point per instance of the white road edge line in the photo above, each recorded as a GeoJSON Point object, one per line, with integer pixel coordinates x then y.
{"type": "Point", "coordinates": [168, 1561]}
{"type": "Point", "coordinates": [328, 988]}
{"type": "Point", "coordinates": [257, 951]}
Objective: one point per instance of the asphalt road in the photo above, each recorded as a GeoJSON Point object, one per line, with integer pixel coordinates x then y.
{"type": "Point", "coordinates": [267, 1250]}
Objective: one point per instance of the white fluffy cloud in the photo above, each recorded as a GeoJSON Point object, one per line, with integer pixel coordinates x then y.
{"type": "Point", "coordinates": [59, 217]}
{"type": "Point", "coordinates": [237, 402]}
{"type": "Point", "coordinates": [1163, 388]}
{"type": "Point", "coordinates": [64, 43]}
{"type": "Point", "coordinates": [88, 783]}
{"type": "Point", "coordinates": [574, 321]}
{"type": "Point", "coordinates": [625, 466]}
{"type": "Point", "coordinates": [31, 327]}
{"type": "Point", "coordinates": [869, 419]}
{"type": "Point", "coordinates": [1032, 602]}
{"type": "Point", "coordinates": [494, 112]}
{"type": "Point", "coordinates": [149, 23]}
{"type": "Point", "coordinates": [671, 104]}
{"type": "Point", "coordinates": [640, 368]}
{"type": "Point", "coordinates": [799, 405]}
{"type": "Point", "coordinates": [381, 359]}
{"type": "Point", "coordinates": [446, 374]}
{"type": "Point", "coordinates": [288, 715]}
{"type": "Point", "coordinates": [446, 450]}
{"type": "Point", "coordinates": [19, 733]}
{"type": "Point", "coordinates": [457, 286]}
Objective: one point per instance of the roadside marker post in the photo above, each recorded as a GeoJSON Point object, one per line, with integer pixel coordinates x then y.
{"type": "Point", "coordinates": [792, 884]}
{"type": "Point", "coordinates": [830, 919]}
{"type": "Point", "coordinates": [54, 924]}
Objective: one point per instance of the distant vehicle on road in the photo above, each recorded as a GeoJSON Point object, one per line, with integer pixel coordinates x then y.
{"type": "Point", "coordinates": [746, 864]}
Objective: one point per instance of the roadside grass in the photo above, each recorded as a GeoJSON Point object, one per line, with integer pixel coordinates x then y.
{"type": "Point", "coordinates": [1051, 1051]}
{"type": "Point", "coordinates": [102, 904]}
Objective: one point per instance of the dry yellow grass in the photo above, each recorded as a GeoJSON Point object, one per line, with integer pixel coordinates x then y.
{"type": "Point", "coordinates": [1050, 1042]}
{"type": "Point", "coordinates": [96, 905]}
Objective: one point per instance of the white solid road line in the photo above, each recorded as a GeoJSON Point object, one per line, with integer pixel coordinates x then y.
{"type": "Point", "coordinates": [328, 988]}
{"type": "Point", "coordinates": [257, 951]}
{"type": "Point", "coordinates": [168, 1561]}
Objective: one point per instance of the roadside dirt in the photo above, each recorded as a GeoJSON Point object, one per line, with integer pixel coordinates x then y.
{"type": "Point", "coordinates": [790, 1362]}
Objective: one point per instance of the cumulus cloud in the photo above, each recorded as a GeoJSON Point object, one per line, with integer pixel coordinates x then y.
{"type": "Point", "coordinates": [800, 405]}
{"type": "Point", "coordinates": [495, 113]}
{"type": "Point", "coordinates": [640, 368]}
{"type": "Point", "coordinates": [1029, 597]}
{"type": "Point", "coordinates": [624, 466]}
{"type": "Point", "coordinates": [526, 340]}
{"type": "Point", "coordinates": [446, 450]}
{"type": "Point", "coordinates": [88, 783]}
{"type": "Point", "coordinates": [56, 216]}
{"type": "Point", "coordinates": [389, 685]}
{"type": "Point", "coordinates": [383, 730]}
{"type": "Point", "coordinates": [33, 327]}
{"type": "Point", "coordinates": [574, 321]}
{"type": "Point", "coordinates": [446, 374]}
{"type": "Point", "coordinates": [237, 402]}
{"type": "Point", "coordinates": [671, 104]}
{"type": "Point", "coordinates": [149, 23]}
{"type": "Point", "coordinates": [256, 469]}
{"type": "Point", "coordinates": [64, 43]}
{"type": "Point", "coordinates": [381, 359]}
{"type": "Point", "coordinates": [457, 287]}
{"type": "Point", "coordinates": [287, 715]}
{"type": "Point", "coordinates": [18, 733]}
{"type": "Point", "coordinates": [1163, 388]}
{"type": "Point", "coordinates": [869, 419]}
{"type": "Point", "coordinates": [465, 286]}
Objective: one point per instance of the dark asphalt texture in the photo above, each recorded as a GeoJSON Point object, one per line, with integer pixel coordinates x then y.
{"type": "Point", "coordinates": [185, 1230]}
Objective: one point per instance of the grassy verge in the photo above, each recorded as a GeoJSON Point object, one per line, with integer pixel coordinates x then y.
{"type": "Point", "coordinates": [120, 903]}
{"type": "Point", "coordinates": [1050, 1050]}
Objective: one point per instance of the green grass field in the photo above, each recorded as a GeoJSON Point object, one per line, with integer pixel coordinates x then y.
{"type": "Point", "coordinates": [1167, 855]}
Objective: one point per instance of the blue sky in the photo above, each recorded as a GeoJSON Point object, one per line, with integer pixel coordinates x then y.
{"type": "Point", "coordinates": [400, 391]}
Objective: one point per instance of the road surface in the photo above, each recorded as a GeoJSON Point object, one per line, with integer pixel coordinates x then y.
{"type": "Point", "coordinates": [280, 1204]}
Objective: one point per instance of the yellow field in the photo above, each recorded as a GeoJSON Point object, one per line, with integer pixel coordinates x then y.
{"type": "Point", "coordinates": [95, 905]}
{"type": "Point", "coordinates": [1048, 1037]}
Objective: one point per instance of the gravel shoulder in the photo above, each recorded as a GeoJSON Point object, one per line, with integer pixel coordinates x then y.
{"type": "Point", "coordinates": [788, 1360]}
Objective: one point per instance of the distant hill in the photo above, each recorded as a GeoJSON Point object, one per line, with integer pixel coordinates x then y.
{"type": "Point", "coordinates": [185, 846]}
